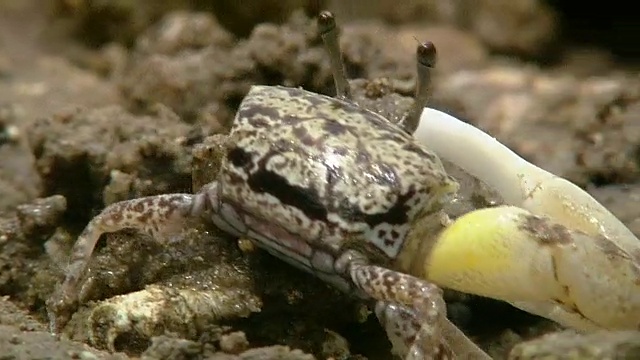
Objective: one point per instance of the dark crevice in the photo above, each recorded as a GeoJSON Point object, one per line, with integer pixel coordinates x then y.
{"type": "Point", "coordinates": [614, 26]}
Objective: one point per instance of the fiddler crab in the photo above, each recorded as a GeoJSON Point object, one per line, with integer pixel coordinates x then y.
{"type": "Point", "coordinates": [343, 193]}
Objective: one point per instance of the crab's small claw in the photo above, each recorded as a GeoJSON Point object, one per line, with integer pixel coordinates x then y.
{"type": "Point", "coordinates": [578, 280]}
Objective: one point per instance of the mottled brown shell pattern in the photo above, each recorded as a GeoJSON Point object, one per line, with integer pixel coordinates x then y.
{"type": "Point", "coordinates": [326, 170]}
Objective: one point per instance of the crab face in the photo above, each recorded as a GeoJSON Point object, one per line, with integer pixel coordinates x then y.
{"type": "Point", "coordinates": [324, 171]}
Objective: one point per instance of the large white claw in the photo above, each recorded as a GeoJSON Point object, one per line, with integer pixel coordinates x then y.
{"type": "Point", "coordinates": [589, 279]}
{"type": "Point", "coordinates": [518, 181]}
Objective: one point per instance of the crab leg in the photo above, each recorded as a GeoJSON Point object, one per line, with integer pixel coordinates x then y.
{"type": "Point", "coordinates": [412, 311]}
{"type": "Point", "coordinates": [403, 327]}
{"type": "Point", "coordinates": [160, 216]}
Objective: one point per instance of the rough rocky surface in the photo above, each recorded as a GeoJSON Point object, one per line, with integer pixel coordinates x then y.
{"type": "Point", "coordinates": [569, 345]}
{"type": "Point", "coordinates": [101, 103]}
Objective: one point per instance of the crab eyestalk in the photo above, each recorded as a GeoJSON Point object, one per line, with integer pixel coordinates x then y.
{"type": "Point", "coordinates": [426, 57]}
{"type": "Point", "coordinates": [329, 33]}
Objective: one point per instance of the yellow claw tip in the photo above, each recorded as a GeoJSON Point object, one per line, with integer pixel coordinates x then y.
{"type": "Point", "coordinates": [486, 252]}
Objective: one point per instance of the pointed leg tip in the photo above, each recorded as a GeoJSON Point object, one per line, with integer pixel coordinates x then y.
{"type": "Point", "coordinates": [59, 310]}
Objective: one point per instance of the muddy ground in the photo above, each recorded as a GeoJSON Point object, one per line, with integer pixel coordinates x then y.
{"type": "Point", "coordinates": [106, 101]}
